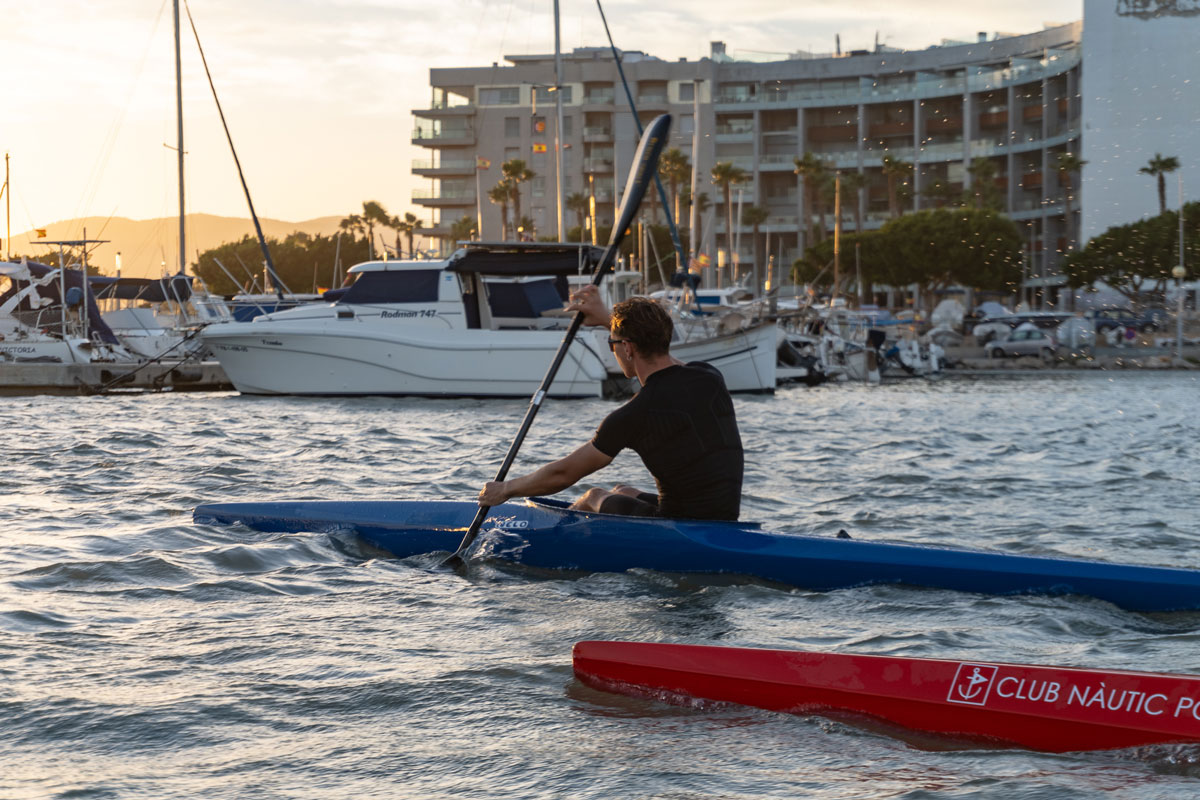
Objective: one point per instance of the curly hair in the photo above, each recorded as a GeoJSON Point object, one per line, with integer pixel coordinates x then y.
{"type": "Point", "coordinates": [645, 323]}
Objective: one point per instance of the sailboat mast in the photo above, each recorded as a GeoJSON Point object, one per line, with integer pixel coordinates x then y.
{"type": "Point", "coordinates": [179, 141]}
{"type": "Point", "coordinates": [7, 213]}
{"type": "Point", "coordinates": [558, 128]}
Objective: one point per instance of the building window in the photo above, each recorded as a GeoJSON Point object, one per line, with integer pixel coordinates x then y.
{"type": "Point", "coordinates": [568, 126]}
{"type": "Point", "coordinates": [543, 95]}
{"type": "Point", "coordinates": [687, 124]}
{"type": "Point", "coordinates": [511, 152]}
{"type": "Point", "coordinates": [500, 96]}
{"type": "Point", "coordinates": [687, 92]}
{"type": "Point", "coordinates": [538, 186]}
{"type": "Point", "coordinates": [512, 127]}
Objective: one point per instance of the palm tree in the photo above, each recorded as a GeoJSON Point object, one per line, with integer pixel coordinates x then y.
{"type": "Point", "coordinates": [526, 228]}
{"type": "Point", "coordinates": [516, 173]}
{"type": "Point", "coordinates": [411, 223]}
{"type": "Point", "coordinates": [855, 182]}
{"type": "Point", "coordinates": [812, 172]}
{"type": "Point", "coordinates": [983, 181]}
{"type": "Point", "coordinates": [462, 230]}
{"type": "Point", "coordinates": [725, 175]}
{"type": "Point", "coordinates": [755, 216]}
{"type": "Point", "coordinates": [352, 225]}
{"type": "Point", "coordinates": [675, 169]}
{"type": "Point", "coordinates": [373, 214]}
{"type": "Point", "coordinates": [581, 204]}
{"type": "Point", "coordinates": [500, 194]}
{"type": "Point", "coordinates": [1067, 165]}
{"type": "Point", "coordinates": [941, 193]}
{"type": "Point", "coordinates": [1158, 168]}
{"type": "Point", "coordinates": [896, 172]}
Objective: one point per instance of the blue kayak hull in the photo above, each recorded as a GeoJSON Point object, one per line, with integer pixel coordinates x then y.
{"type": "Point", "coordinates": [545, 534]}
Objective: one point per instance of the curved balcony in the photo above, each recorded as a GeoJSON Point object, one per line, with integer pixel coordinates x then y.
{"type": "Point", "coordinates": [443, 198]}
{"type": "Point", "coordinates": [428, 168]}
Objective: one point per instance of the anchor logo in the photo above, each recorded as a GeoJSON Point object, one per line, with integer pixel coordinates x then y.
{"type": "Point", "coordinates": [972, 684]}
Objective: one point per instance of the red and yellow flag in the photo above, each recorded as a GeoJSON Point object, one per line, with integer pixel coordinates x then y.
{"type": "Point", "coordinates": [482, 163]}
{"type": "Point", "coordinates": [41, 232]}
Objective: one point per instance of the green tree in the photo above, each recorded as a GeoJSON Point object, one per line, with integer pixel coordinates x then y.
{"type": "Point", "coordinates": [725, 175]}
{"type": "Point", "coordinates": [516, 172]}
{"type": "Point", "coordinates": [898, 173]}
{"type": "Point", "coordinates": [1068, 165]}
{"type": "Point", "coordinates": [303, 262]}
{"type": "Point", "coordinates": [1137, 259]}
{"type": "Point", "coordinates": [1158, 168]}
{"type": "Point", "coordinates": [934, 249]}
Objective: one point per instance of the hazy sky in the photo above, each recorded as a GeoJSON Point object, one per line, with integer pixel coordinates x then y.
{"type": "Point", "coordinates": [318, 93]}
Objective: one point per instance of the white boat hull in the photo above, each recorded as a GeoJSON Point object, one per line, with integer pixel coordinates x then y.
{"type": "Point", "coordinates": [334, 359]}
{"type": "Point", "coordinates": [747, 358]}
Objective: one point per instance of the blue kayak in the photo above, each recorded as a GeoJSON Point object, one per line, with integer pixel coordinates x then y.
{"type": "Point", "coordinates": [544, 533]}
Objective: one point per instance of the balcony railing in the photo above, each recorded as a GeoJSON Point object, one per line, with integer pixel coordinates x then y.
{"type": "Point", "coordinates": [430, 164]}
{"type": "Point", "coordinates": [597, 165]}
{"type": "Point", "coordinates": [598, 98]}
{"type": "Point", "coordinates": [442, 133]}
{"type": "Point", "coordinates": [464, 196]}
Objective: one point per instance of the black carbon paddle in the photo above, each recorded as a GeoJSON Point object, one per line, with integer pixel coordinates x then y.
{"type": "Point", "coordinates": [645, 167]}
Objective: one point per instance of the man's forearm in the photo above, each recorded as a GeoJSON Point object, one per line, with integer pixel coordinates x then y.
{"type": "Point", "coordinates": [546, 480]}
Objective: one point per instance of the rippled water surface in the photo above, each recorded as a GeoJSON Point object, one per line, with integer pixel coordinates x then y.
{"type": "Point", "coordinates": [144, 656]}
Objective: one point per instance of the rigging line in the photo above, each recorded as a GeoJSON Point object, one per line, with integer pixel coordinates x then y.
{"type": "Point", "coordinates": [262, 241]}
{"type": "Point", "coordinates": [681, 263]}
{"type": "Point", "coordinates": [110, 137]}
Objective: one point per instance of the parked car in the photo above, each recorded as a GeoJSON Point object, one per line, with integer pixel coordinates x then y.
{"type": "Point", "coordinates": [993, 328]}
{"type": "Point", "coordinates": [1151, 319]}
{"type": "Point", "coordinates": [1027, 340]}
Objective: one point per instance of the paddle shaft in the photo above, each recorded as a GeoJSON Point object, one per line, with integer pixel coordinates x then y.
{"type": "Point", "coordinates": [645, 169]}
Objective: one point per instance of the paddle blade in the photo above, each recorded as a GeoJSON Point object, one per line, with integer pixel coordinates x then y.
{"type": "Point", "coordinates": [645, 162]}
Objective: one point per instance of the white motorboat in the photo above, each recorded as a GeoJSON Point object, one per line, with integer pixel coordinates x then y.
{"type": "Point", "coordinates": [485, 322]}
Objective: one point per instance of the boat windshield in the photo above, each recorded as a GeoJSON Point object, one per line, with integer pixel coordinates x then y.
{"type": "Point", "coordinates": [407, 286]}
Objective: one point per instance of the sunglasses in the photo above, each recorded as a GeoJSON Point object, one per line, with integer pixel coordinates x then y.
{"type": "Point", "coordinates": [612, 343]}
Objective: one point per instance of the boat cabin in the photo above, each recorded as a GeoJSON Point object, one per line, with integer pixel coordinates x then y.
{"type": "Point", "coordinates": [488, 286]}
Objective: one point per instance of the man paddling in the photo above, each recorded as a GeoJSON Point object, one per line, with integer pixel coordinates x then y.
{"type": "Point", "coordinates": [681, 423]}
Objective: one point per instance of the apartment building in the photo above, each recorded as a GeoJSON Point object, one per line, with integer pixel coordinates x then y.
{"type": "Point", "coordinates": [1013, 101]}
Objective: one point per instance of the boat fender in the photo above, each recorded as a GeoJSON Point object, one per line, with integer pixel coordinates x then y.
{"type": "Point", "coordinates": [843, 535]}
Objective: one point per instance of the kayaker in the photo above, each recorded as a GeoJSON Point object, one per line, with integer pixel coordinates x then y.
{"type": "Point", "coordinates": [681, 423]}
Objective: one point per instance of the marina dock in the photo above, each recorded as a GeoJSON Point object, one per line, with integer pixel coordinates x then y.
{"type": "Point", "coordinates": [100, 378]}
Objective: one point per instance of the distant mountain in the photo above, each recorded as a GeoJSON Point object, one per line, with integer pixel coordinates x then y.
{"type": "Point", "coordinates": [146, 244]}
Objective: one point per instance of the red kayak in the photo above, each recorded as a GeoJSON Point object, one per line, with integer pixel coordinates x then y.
{"type": "Point", "coordinates": [1054, 709]}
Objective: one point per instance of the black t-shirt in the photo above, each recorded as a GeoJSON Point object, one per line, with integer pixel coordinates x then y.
{"type": "Point", "coordinates": [682, 425]}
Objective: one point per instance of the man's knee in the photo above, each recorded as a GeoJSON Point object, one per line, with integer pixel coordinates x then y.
{"type": "Point", "coordinates": [590, 500]}
{"type": "Point", "coordinates": [626, 489]}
